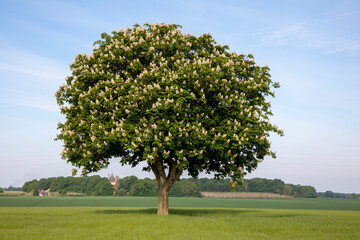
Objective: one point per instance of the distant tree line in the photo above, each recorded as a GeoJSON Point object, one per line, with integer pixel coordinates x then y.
{"type": "Point", "coordinates": [331, 194]}
{"type": "Point", "coordinates": [133, 186]}
{"type": "Point", "coordinates": [255, 185]}
{"type": "Point", "coordinates": [94, 185]}
{"type": "Point", "coordinates": [11, 188]}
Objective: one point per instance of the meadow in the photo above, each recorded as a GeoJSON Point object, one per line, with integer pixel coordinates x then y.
{"type": "Point", "coordinates": [190, 218]}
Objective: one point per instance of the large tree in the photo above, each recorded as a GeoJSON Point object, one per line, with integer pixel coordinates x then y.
{"type": "Point", "coordinates": [172, 100]}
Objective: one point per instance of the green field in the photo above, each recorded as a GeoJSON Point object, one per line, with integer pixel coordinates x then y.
{"type": "Point", "coordinates": [297, 203]}
{"type": "Point", "coordinates": [190, 218]}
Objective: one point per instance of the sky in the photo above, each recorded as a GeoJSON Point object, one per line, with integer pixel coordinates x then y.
{"type": "Point", "coordinates": [311, 47]}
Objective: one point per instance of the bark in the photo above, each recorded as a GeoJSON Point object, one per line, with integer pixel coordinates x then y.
{"type": "Point", "coordinates": [165, 183]}
{"type": "Point", "coordinates": [163, 200]}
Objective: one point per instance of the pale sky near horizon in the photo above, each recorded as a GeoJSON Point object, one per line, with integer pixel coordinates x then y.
{"type": "Point", "coordinates": [311, 47]}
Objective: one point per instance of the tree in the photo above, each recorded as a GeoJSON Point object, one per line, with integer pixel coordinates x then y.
{"type": "Point", "coordinates": [329, 194]}
{"type": "Point", "coordinates": [143, 187]}
{"type": "Point", "coordinates": [308, 192]}
{"type": "Point", "coordinates": [92, 182]}
{"type": "Point", "coordinates": [258, 185]}
{"type": "Point", "coordinates": [189, 189]}
{"type": "Point", "coordinates": [104, 188]}
{"type": "Point", "coordinates": [36, 192]}
{"type": "Point", "coordinates": [44, 183]}
{"type": "Point", "coordinates": [30, 186]}
{"type": "Point", "coordinates": [173, 100]}
{"type": "Point", "coordinates": [287, 189]}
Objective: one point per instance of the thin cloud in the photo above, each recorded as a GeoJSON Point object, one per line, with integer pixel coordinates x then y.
{"type": "Point", "coordinates": [305, 35]}
{"type": "Point", "coordinates": [337, 45]}
{"type": "Point", "coordinates": [27, 99]}
{"type": "Point", "coordinates": [28, 70]}
{"type": "Point", "coordinates": [46, 106]}
{"type": "Point", "coordinates": [285, 35]}
{"type": "Point", "coordinates": [340, 17]}
{"type": "Point", "coordinates": [76, 15]}
{"type": "Point", "coordinates": [23, 62]}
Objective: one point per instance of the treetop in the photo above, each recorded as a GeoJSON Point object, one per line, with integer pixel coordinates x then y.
{"type": "Point", "coordinates": [153, 93]}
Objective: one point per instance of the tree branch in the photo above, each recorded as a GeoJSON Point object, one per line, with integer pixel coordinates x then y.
{"type": "Point", "coordinates": [174, 172]}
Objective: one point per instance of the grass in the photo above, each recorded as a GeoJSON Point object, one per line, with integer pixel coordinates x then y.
{"type": "Point", "coordinates": [190, 218]}
{"type": "Point", "coordinates": [298, 203]}
{"type": "Point", "coordinates": [143, 223]}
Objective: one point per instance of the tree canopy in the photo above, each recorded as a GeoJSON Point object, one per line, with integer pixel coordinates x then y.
{"type": "Point", "coordinates": [173, 100]}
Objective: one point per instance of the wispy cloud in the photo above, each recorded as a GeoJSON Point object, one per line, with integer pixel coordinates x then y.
{"type": "Point", "coordinates": [285, 35]}
{"type": "Point", "coordinates": [340, 17]}
{"type": "Point", "coordinates": [28, 99]}
{"type": "Point", "coordinates": [307, 35]}
{"type": "Point", "coordinates": [351, 45]}
{"type": "Point", "coordinates": [23, 62]}
{"type": "Point", "coordinates": [38, 104]}
{"type": "Point", "coordinates": [32, 82]}
{"type": "Point", "coordinates": [76, 15]}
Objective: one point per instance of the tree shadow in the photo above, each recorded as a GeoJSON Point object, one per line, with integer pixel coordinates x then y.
{"type": "Point", "coordinates": [178, 211]}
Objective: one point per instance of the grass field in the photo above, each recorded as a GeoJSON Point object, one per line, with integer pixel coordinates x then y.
{"type": "Point", "coordinates": [190, 218]}
{"type": "Point", "coordinates": [297, 203]}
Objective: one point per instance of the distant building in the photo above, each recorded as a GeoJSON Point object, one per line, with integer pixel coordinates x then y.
{"type": "Point", "coordinates": [113, 180]}
{"type": "Point", "coordinates": [44, 193]}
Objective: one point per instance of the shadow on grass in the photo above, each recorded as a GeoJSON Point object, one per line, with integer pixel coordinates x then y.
{"type": "Point", "coordinates": [180, 212]}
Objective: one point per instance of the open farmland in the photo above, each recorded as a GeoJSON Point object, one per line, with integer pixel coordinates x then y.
{"type": "Point", "coordinates": [176, 202]}
{"type": "Point", "coordinates": [182, 223]}
{"type": "Point", "coordinates": [190, 218]}
{"type": "Point", "coordinates": [245, 195]}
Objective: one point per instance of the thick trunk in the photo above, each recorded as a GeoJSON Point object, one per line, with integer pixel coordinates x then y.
{"type": "Point", "coordinates": [163, 200]}
{"type": "Point", "coordinates": [165, 183]}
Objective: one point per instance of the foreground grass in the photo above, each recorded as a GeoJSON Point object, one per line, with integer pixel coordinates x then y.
{"type": "Point", "coordinates": [182, 223]}
{"type": "Point", "coordinates": [298, 203]}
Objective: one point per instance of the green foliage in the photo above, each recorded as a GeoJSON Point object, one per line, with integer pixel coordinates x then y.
{"type": "Point", "coordinates": [308, 192]}
{"type": "Point", "coordinates": [353, 196]}
{"type": "Point", "coordinates": [36, 192]}
{"type": "Point", "coordinates": [94, 185]}
{"type": "Point", "coordinates": [132, 186]}
{"type": "Point", "coordinates": [44, 183]}
{"type": "Point", "coordinates": [62, 192]}
{"type": "Point", "coordinates": [266, 185]}
{"type": "Point", "coordinates": [144, 187]}
{"type": "Point", "coordinates": [103, 188]}
{"type": "Point", "coordinates": [329, 194]}
{"type": "Point", "coordinates": [11, 188]}
{"type": "Point", "coordinates": [1, 190]}
{"type": "Point", "coordinates": [91, 183]}
{"type": "Point", "coordinates": [123, 185]}
{"type": "Point", "coordinates": [189, 188]}
{"type": "Point", "coordinates": [303, 191]}
{"type": "Point", "coordinates": [152, 93]}
{"type": "Point", "coordinates": [30, 185]}
{"type": "Point", "coordinates": [175, 190]}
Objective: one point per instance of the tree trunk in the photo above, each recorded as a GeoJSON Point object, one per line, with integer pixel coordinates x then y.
{"type": "Point", "coordinates": [163, 200]}
{"type": "Point", "coordinates": [165, 183]}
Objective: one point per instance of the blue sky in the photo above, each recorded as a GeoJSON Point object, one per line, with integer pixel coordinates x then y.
{"type": "Point", "coordinates": [312, 48]}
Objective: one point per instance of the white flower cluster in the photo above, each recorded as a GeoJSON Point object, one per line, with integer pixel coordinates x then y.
{"type": "Point", "coordinates": [132, 94]}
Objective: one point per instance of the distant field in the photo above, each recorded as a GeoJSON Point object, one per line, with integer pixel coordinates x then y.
{"type": "Point", "coordinates": [182, 223]}
{"type": "Point", "coordinates": [245, 195]}
{"type": "Point", "coordinates": [298, 203]}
